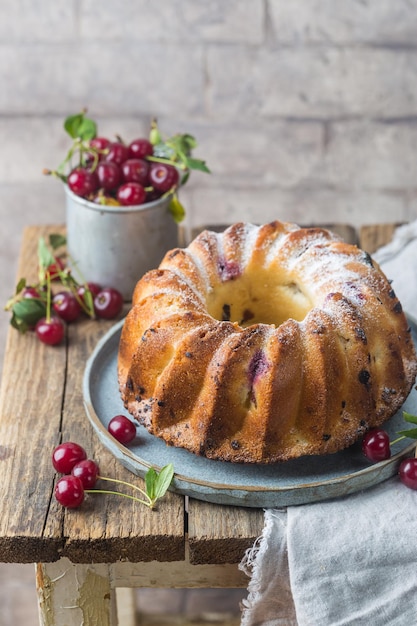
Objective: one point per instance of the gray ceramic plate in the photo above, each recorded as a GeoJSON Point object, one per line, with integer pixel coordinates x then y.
{"type": "Point", "coordinates": [301, 481]}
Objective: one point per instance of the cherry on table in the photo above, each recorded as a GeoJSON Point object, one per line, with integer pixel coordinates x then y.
{"type": "Point", "coordinates": [93, 288]}
{"type": "Point", "coordinates": [87, 471]}
{"type": "Point", "coordinates": [408, 472]}
{"type": "Point", "coordinates": [69, 491]}
{"type": "Point", "coordinates": [30, 292]}
{"type": "Point", "coordinates": [55, 268]}
{"type": "Point", "coordinates": [66, 455]}
{"type": "Point", "coordinates": [163, 176]}
{"type": "Point", "coordinates": [376, 445]}
{"type": "Point", "coordinates": [122, 429]}
{"type": "Point", "coordinates": [108, 303]}
{"type": "Point", "coordinates": [50, 331]}
{"type": "Point", "coordinates": [66, 305]}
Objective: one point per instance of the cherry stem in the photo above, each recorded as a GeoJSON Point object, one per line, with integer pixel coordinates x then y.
{"type": "Point", "coordinates": [166, 162]}
{"type": "Point", "coordinates": [123, 482]}
{"type": "Point", "coordinates": [150, 504]}
{"type": "Point", "coordinates": [48, 297]}
{"type": "Point", "coordinates": [392, 443]}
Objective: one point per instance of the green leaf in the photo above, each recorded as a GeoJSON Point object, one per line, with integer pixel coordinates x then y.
{"type": "Point", "coordinates": [163, 480]}
{"type": "Point", "coordinates": [189, 142]}
{"type": "Point", "coordinates": [409, 417]}
{"type": "Point", "coordinates": [88, 301]}
{"type": "Point", "coordinates": [412, 433]}
{"type": "Point", "coordinates": [73, 123]}
{"type": "Point", "coordinates": [87, 130]}
{"type": "Point", "coordinates": [150, 482]}
{"type": "Point", "coordinates": [185, 178]}
{"type": "Point", "coordinates": [176, 209]}
{"type": "Point", "coordinates": [198, 164]}
{"type": "Point", "coordinates": [79, 126]}
{"type": "Point", "coordinates": [56, 240]}
{"type": "Point", "coordinates": [18, 324]}
{"type": "Point", "coordinates": [20, 285]}
{"type": "Point", "coordinates": [45, 256]}
{"type": "Point", "coordinates": [28, 311]}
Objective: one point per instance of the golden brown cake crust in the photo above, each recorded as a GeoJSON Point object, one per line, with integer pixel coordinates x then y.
{"type": "Point", "coordinates": [265, 343]}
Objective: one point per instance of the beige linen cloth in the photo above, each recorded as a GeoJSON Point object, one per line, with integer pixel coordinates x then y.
{"type": "Point", "coordinates": [350, 561]}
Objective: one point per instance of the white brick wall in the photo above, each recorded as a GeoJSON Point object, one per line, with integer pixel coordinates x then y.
{"type": "Point", "coordinates": [305, 109]}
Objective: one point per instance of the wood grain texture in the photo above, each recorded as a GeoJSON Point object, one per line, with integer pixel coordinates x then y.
{"type": "Point", "coordinates": [374, 236]}
{"type": "Point", "coordinates": [41, 405]}
{"type": "Point", "coordinates": [221, 534]}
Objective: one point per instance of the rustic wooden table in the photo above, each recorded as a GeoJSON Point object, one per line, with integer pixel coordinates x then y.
{"type": "Point", "coordinates": [82, 556]}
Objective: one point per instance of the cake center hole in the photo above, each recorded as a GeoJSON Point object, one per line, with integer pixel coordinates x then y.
{"type": "Point", "coordinates": [258, 300]}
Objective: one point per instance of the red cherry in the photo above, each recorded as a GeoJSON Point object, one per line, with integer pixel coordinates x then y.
{"type": "Point", "coordinates": [69, 491]}
{"type": "Point", "coordinates": [99, 143]}
{"type": "Point", "coordinates": [109, 175]}
{"type": "Point", "coordinates": [66, 456]}
{"type": "Point", "coordinates": [82, 182]}
{"type": "Point", "coordinates": [152, 195]}
{"type": "Point", "coordinates": [66, 305]}
{"type": "Point", "coordinates": [108, 303]}
{"type": "Point", "coordinates": [50, 331]}
{"type": "Point", "coordinates": [163, 177]}
{"type": "Point", "coordinates": [140, 148]}
{"type": "Point", "coordinates": [131, 194]}
{"type": "Point", "coordinates": [54, 268]}
{"type": "Point", "coordinates": [376, 445]}
{"type": "Point", "coordinates": [118, 153]}
{"type": "Point", "coordinates": [135, 171]}
{"type": "Point", "coordinates": [87, 471]}
{"type": "Point", "coordinates": [408, 472]}
{"type": "Point", "coordinates": [122, 429]}
{"type": "Point", "coordinates": [93, 288]}
{"type": "Point", "coordinates": [30, 292]}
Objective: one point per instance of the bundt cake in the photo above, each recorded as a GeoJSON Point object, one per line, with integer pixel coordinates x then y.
{"type": "Point", "coordinates": [263, 344]}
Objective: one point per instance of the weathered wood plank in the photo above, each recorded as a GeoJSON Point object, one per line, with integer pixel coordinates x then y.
{"type": "Point", "coordinates": [374, 236]}
{"type": "Point", "coordinates": [74, 595]}
{"type": "Point", "coordinates": [178, 574]}
{"type": "Point", "coordinates": [221, 534]}
{"type": "Point", "coordinates": [41, 404]}
{"type": "Point", "coordinates": [30, 416]}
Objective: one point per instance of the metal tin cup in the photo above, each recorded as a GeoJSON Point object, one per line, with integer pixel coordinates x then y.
{"type": "Point", "coordinates": [114, 246]}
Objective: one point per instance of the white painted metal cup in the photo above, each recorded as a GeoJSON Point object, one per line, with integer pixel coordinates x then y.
{"type": "Point", "coordinates": [114, 246]}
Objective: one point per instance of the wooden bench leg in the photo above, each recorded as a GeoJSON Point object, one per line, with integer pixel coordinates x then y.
{"type": "Point", "coordinates": [73, 594]}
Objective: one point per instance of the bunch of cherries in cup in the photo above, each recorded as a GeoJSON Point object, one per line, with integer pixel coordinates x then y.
{"type": "Point", "coordinates": [122, 174]}
{"type": "Point", "coordinates": [119, 173]}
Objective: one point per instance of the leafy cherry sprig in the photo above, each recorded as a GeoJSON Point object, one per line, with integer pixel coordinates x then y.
{"type": "Point", "coordinates": [26, 311]}
{"type": "Point", "coordinates": [412, 432]}
{"type": "Point", "coordinates": [81, 474]}
{"type": "Point", "coordinates": [376, 444]}
{"type": "Point", "coordinates": [156, 486]}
